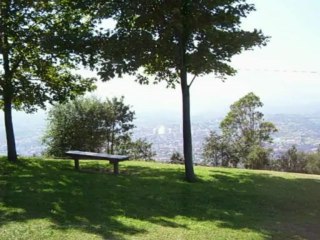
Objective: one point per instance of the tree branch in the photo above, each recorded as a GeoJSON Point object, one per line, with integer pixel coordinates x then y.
{"type": "Point", "coordinates": [194, 77]}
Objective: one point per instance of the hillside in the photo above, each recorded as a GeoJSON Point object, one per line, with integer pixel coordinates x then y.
{"type": "Point", "coordinates": [47, 199]}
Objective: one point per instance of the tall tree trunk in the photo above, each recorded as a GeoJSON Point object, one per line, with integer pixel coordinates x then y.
{"type": "Point", "coordinates": [187, 136]}
{"type": "Point", "coordinates": [7, 88]}
{"type": "Point", "coordinates": [112, 143]}
{"type": "Point", "coordinates": [11, 144]}
{"type": "Point", "coordinates": [186, 122]}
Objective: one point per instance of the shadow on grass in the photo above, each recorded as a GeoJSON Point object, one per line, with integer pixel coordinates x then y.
{"type": "Point", "coordinates": [94, 202]}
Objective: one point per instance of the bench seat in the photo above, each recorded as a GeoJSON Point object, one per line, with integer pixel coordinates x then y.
{"type": "Point", "coordinates": [113, 159]}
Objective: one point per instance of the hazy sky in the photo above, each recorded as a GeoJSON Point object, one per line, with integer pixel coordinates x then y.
{"type": "Point", "coordinates": [285, 73]}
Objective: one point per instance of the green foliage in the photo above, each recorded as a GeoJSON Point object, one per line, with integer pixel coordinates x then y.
{"type": "Point", "coordinates": [295, 161]}
{"type": "Point", "coordinates": [245, 128]}
{"type": "Point", "coordinates": [140, 149]}
{"type": "Point", "coordinates": [119, 117]}
{"type": "Point", "coordinates": [41, 42]}
{"type": "Point", "coordinates": [88, 125]}
{"type": "Point", "coordinates": [313, 163]}
{"type": "Point", "coordinates": [165, 37]}
{"type": "Point", "coordinates": [216, 150]}
{"type": "Point", "coordinates": [244, 135]}
{"type": "Point", "coordinates": [258, 158]}
{"type": "Point", "coordinates": [176, 158]}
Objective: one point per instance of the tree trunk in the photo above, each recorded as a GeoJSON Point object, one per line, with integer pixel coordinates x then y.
{"type": "Point", "coordinates": [7, 88]}
{"type": "Point", "coordinates": [187, 136]}
{"type": "Point", "coordinates": [112, 140]}
{"type": "Point", "coordinates": [183, 35]}
{"type": "Point", "coordinates": [11, 144]}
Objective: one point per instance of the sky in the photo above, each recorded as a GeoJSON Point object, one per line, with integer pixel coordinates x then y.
{"type": "Point", "coordinates": [285, 74]}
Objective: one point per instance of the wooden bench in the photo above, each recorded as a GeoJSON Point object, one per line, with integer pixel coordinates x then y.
{"type": "Point", "coordinates": [114, 159]}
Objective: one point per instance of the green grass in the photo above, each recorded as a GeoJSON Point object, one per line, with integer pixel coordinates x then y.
{"type": "Point", "coordinates": [47, 199]}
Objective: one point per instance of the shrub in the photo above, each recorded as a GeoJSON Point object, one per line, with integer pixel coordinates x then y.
{"type": "Point", "coordinates": [141, 149]}
{"type": "Point", "coordinates": [88, 124]}
{"type": "Point", "coordinates": [216, 150]}
{"type": "Point", "coordinates": [258, 158]}
{"type": "Point", "coordinates": [313, 163]}
{"type": "Point", "coordinates": [293, 160]}
{"type": "Point", "coordinates": [177, 158]}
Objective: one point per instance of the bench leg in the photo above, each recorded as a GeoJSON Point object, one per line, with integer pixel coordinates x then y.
{"type": "Point", "coordinates": [116, 168]}
{"type": "Point", "coordinates": [76, 164]}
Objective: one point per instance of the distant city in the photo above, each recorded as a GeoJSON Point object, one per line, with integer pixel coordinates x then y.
{"type": "Point", "coordinates": [300, 130]}
{"type": "Point", "coordinates": [166, 134]}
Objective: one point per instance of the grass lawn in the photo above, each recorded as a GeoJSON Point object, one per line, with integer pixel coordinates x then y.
{"type": "Point", "coordinates": [47, 199]}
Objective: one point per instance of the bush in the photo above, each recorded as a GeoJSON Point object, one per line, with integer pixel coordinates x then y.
{"type": "Point", "coordinates": [177, 158]}
{"type": "Point", "coordinates": [216, 150]}
{"type": "Point", "coordinates": [141, 149]}
{"type": "Point", "coordinates": [293, 160]}
{"type": "Point", "coordinates": [258, 158]}
{"type": "Point", "coordinates": [313, 163]}
{"type": "Point", "coordinates": [88, 124]}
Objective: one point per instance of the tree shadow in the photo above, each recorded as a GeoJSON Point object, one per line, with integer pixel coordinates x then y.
{"type": "Point", "coordinates": [284, 203]}
{"type": "Point", "coordinates": [71, 199]}
{"type": "Point", "coordinates": [94, 202]}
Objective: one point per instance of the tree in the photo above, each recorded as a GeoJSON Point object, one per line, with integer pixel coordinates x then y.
{"type": "Point", "coordinates": [313, 163]}
{"type": "Point", "coordinates": [258, 158]}
{"type": "Point", "coordinates": [245, 128]}
{"type": "Point", "coordinates": [244, 136]}
{"type": "Point", "coordinates": [119, 124]}
{"type": "Point", "coordinates": [175, 40]}
{"type": "Point", "coordinates": [293, 160]}
{"type": "Point", "coordinates": [296, 161]}
{"type": "Point", "coordinates": [88, 125]}
{"type": "Point", "coordinates": [40, 42]}
{"type": "Point", "coordinates": [140, 149]}
{"type": "Point", "coordinates": [216, 150]}
{"type": "Point", "coordinates": [75, 125]}
{"type": "Point", "coordinates": [176, 158]}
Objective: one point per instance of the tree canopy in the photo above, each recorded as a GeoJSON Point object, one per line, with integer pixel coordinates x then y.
{"type": "Point", "coordinates": [244, 126]}
{"type": "Point", "coordinates": [244, 136]}
{"type": "Point", "coordinates": [40, 43]}
{"type": "Point", "coordinates": [158, 35]}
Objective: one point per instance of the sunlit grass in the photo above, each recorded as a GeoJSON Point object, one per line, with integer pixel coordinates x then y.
{"type": "Point", "coordinates": [47, 199]}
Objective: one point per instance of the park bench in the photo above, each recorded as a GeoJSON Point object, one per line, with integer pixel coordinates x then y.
{"type": "Point", "coordinates": [113, 159]}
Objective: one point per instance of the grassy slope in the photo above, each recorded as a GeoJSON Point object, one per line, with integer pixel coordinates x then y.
{"type": "Point", "coordinates": [48, 200]}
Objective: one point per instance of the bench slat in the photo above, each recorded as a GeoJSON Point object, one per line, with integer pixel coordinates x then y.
{"type": "Point", "coordinates": [98, 156]}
